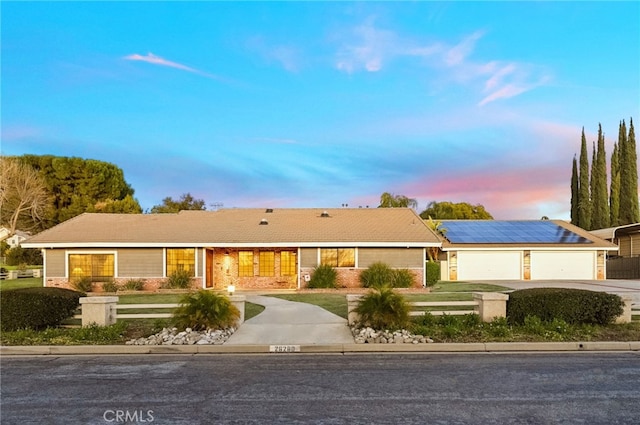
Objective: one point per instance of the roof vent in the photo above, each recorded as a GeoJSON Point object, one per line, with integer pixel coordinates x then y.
{"type": "Point", "coordinates": [269, 210]}
{"type": "Point", "coordinates": [324, 214]}
{"type": "Point", "coordinates": [264, 222]}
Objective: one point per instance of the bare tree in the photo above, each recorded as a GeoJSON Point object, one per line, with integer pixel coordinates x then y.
{"type": "Point", "coordinates": [24, 198]}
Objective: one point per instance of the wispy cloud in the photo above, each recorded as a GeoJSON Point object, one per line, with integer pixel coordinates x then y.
{"type": "Point", "coordinates": [288, 56]}
{"type": "Point", "coordinates": [457, 54]}
{"type": "Point", "coordinates": [157, 60]}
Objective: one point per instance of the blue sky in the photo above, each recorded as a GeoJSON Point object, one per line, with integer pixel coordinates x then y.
{"type": "Point", "coordinates": [319, 104]}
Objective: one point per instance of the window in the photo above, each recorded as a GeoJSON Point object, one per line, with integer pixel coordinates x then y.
{"type": "Point", "coordinates": [181, 259]}
{"type": "Point", "coordinates": [338, 257]}
{"type": "Point", "coordinates": [99, 267]}
{"type": "Point", "coordinates": [267, 265]}
{"type": "Point", "coordinates": [245, 263]}
{"type": "Point", "coordinates": [287, 263]}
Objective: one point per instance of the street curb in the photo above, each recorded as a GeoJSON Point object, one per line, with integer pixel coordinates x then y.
{"type": "Point", "coordinates": [489, 347]}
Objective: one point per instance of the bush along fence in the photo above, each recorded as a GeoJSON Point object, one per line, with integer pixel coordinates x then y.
{"type": "Point", "coordinates": [488, 305]}
{"type": "Point", "coordinates": [103, 311]}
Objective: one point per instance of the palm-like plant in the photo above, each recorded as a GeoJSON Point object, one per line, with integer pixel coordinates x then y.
{"type": "Point", "coordinates": [383, 309]}
{"type": "Point", "coordinates": [205, 310]}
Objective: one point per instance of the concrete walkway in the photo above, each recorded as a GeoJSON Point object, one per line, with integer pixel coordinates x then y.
{"type": "Point", "coordinates": [291, 323]}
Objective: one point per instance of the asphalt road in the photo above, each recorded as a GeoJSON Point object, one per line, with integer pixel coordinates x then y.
{"type": "Point", "coordinates": [567, 388]}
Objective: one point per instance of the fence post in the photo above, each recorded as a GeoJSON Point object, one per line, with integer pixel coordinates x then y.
{"type": "Point", "coordinates": [625, 317]}
{"type": "Point", "coordinates": [99, 311]}
{"type": "Point", "coordinates": [491, 305]}
{"type": "Point", "coordinates": [352, 303]}
{"type": "Point", "coordinates": [238, 301]}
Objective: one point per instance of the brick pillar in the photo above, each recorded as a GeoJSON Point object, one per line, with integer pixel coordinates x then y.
{"type": "Point", "coordinates": [491, 305]}
{"type": "Point", "coordinates": [99, 311]}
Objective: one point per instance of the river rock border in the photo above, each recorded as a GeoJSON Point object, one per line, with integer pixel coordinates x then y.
{"type": "Point", "coordinates": [372, 336]}
{"type": "Point", "coordinates": [171, 336]}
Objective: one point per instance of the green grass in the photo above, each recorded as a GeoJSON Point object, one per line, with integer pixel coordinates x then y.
{"type": "Point", "coordinates": [466, 287]}
{"type": "Point", "coordinates": [335, 303]}
{"type": "Point", "coordinates": [29, 282]}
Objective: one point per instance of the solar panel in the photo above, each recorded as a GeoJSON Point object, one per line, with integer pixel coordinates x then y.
{"type": "Point", "coordinates": [490, 231]}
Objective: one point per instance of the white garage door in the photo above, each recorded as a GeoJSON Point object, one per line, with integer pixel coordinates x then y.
{"type": "Point", "coordinates": [489, 265]}
{"type": "Point", "coordinates": [562, 265]}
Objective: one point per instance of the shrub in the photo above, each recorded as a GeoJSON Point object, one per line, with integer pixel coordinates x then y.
{"type": "Point", "coordinates": [323, 276]}
{"type": "Point", "coordinates": [133, 285]}
{"type": "Point", "coordinates": [574, 306]}
{"type": "Point", "coordinates": [377, 275]}
{"type": "Point", "coordinates": [205, 310]}
{"type": "Point", "coordinates": [433, 273]}
{"type": "Point", "coordinates": [180, 279]}
{"type": "Point", "coordinates": [19, 255]}
{"type": "Point", "coordinates": [383, 309]}
{"type": "Point", "coordinates": [110, 286]}
{"type": "Point", "coordinates": [402, 278]}
{"type": "Point", "coordinates": [35, 308]}
{"type": "Point", "coordinates": [82, 284]}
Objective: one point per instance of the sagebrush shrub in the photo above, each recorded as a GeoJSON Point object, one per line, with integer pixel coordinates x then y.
{"type": "Point", "coordinates": [377, 275]}
{"type": "Point", "coordinates": [402, 278]}
{"type": "Point", "coordinates": [203, 310]}
{"type": "Point", "coordinates": [36, 308]}
{"type": "Point", "coordinates": [574, 306]}
{"type": "Point", "coordinates": [323, 276]}
{"type": "Point", "coordinates": [383, 309]}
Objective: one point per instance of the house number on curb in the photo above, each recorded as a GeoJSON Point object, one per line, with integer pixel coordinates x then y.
{"type": "Point", "coordinates": [284, 348]}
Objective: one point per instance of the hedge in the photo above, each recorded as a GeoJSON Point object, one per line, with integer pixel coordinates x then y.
{"type": "Point", "coordinates": [35, 308]}
{"type": "Point", "coordinates": [575, 306]}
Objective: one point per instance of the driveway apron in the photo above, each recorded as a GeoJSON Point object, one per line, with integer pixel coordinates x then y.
{"type": "Point", "coordinates": [290, 323]}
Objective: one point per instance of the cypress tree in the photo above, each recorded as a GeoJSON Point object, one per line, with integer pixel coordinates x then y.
{"type": "Point", "coordinates": [600, 202]}
{"type": "Point", "coordinates": [574, 193]}
{"type": "Point", "coordinates": [584, 200]}
{"type": "Point", "coordinates": [593, 178]}
{"type": "Point", "coordinates": [614, 197]}
{"type": "Point", "coordinates": [634, 215]}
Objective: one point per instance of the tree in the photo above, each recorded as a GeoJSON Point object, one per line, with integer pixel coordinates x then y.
{"type": "Point", "coordinates": [629, 210]}
{"type": "Point", "coordinates": [186, 202]}
{"type": "Point", "coordinates": [437, 227]}
{"type": "Point", "coordinates": [584, 198]}
{"type": "Point", "coordinates": [575, 196]}
{"type": "Point", "coordinates": [389, 200]}
{"type": "Point", "coordinates": [78, 184]}
{"type": "Point", "coordinates": [128, 205]}
{"type": "Point", "coordinates": [23, 196]}
{"type": "Point", "coordinates": [614, 190]}
{"type": "Point", "coordinates": [600, 201]}
{"type": "Point", "coordinates": [451, 211]}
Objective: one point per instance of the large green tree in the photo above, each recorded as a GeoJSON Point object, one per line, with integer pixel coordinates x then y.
{"type": "Point", "coordinates": [453, 211]}
{"type": "Point", "coordinates": [584, 196]}
{"type": "Point", "coordinates": [629, 211]}
{"type": "Point", "coordinates": [575, 195]}
{"type": "Point", "coordinates": [614, 189]}
{"type": "Point", "coordinates": [186, 202]}
{"type": "Point", "coordinates": [390, 200]}
{"type": "Point", "coordinates": [600, 200]}
{"type": "Point", "coordinates": [79, 185]}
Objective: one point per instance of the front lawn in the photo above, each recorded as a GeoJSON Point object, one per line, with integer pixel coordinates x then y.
{"type": "Point", "coordinates": [27, 282]}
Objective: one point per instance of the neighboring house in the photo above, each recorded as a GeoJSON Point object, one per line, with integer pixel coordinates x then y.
{"type": "Point", "coordinates": [249, 248]}
{"type": "Point", "coordinates": [626, 237]}
{"type": "Point", "coordinates": [521, 250]}
{"type": "Point", "coordinates": [626, 264]}
{"type": "Point", "coordinates": [4, 233]}
{"type": "Point", "coordinates": [18, 237]}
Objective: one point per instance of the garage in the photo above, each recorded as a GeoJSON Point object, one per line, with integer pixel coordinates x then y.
{"type": "Point", "coordinates": [547, 265]}
{"type": "Point", "coordinates": [489, 265]}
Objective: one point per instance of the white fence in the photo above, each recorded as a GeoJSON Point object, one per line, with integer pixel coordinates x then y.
{"type": "Point", "coordinates": [427, 304]}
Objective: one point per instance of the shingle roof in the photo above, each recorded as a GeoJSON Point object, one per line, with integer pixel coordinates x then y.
{"type": "Point", "coordinates": [241, 227]}
{"type": "Point", "coordinates": [594, 241]}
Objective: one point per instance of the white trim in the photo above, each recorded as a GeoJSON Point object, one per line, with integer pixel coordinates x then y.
{"type": "Point", "coordinates": [44, 267]}
{"type": "Point", "coordinates": [112, 245]}
{"type": "Point", "coordinates": [529, 248]}
{"type": "Point", "coordinates": [298, 267]}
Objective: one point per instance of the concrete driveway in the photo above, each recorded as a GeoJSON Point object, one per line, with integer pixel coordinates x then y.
{"type": "Point", "coordinates": [291, 323]}
{"type": "Point", "coordinates": [613, 286]}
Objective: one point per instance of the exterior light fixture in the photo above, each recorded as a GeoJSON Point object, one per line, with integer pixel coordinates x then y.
{"type": "Point", "coordinates": [231, 289]}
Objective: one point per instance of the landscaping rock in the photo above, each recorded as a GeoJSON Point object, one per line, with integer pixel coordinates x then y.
{"type": "Point", "coordinates": [187, 337]}
{"type": "Point", "coordinates": [372, 336]}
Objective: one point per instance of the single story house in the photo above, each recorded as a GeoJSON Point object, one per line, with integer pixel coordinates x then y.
{"type": "Point", "coordinates": [248, 248]}
{"type": "Point", "coordinates": [626, 237]}
{"type": "Point", "coordinates": [521, 250]}
{"type": "Point", "coordinates": [17, 238]}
